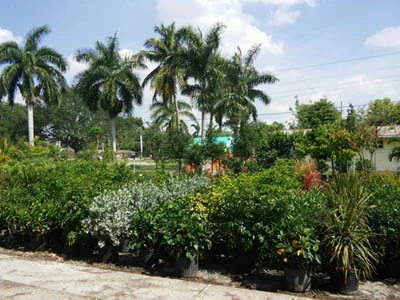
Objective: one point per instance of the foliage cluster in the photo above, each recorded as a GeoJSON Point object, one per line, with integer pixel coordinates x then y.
{"type": "Point", "coordinates": [51, 198]}
{"type": "Point", "coordinates": [111, 213]}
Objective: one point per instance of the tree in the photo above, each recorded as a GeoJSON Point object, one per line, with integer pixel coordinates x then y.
{"type": "Point", "coordinates": [37, 72]}
{"type": "Point", "coordinates": [167, 118]}
{"type": "Point", "coordinates": [109, 83]}
{"type": "Point", "coordinates": [70, 122]}
{"type": "Point", "coordinates": [242, 80]}
{"type": "Point", "coordinates": [199, 58]}
{"type": "Point", "coordinates": [383, 112]}
{"type": "Point", "coordinates": [312, 115]}
{"type": "Point", "coordinates": [167, 76]}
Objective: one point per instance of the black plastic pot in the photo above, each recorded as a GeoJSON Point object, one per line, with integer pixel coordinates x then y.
{"type": "Point", "coordinates": [297, 280]}
{"type": "Point", "coordinates": [186, 267]}
{"type": "Point", "coordinates": [347, 285]}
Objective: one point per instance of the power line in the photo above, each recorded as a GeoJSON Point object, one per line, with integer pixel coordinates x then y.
{"type": "Point", "coordinates": [338, 62]}
{"type": "Point", "coordinates": [324, 89]}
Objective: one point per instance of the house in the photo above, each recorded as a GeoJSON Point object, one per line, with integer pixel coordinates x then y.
{"type": "Point", "coordinates": [380, 158]}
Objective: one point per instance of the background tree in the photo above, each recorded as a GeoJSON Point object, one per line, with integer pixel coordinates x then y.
{"type": "Point", "coordinates": [312, 115]}
{"type": "Point", "coordinates": [109, 83]}
{"type": "Point", "coordinates": [166, 118]}
{"type": "Point", "coordinates": [37, 72]}
{"type": "Point", "coordinates": [383, 112]}
{"type": "Point", "coordinates": [241, 82]}
{"type": "Point", "coordinates": [200, 59]}
{"type": "Point", "coordinates": [168, 76]}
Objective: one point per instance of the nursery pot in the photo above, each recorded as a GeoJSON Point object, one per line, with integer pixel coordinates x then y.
{"type": "Point", "coordinates": [186, 267]}
{"type": "Point", "coordinates": [146, 257]}
{"type": "Point", "coordinates": [297, 280]}
{"type": "Point", "coordinates": [348, 285]}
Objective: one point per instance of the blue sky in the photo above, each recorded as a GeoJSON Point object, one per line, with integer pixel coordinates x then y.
{"type": "Point", "coordinates": [355, 44]}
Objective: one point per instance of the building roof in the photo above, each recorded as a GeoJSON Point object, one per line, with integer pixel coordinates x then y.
{"type": "Point", "coordinates": [389, 131]}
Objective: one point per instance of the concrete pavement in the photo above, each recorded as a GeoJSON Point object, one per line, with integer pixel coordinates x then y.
{"type": "Point", "coordinates": [39, 279]}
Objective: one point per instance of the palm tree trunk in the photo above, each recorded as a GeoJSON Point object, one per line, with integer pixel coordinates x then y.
{"type": "Point", "coordinates": [203, 118]}
{"type": "Point", "coordinates": [29, 106]}
{"type": "Point", "coordinates": [176, 112]}
{"type": "Point", "coordinates": [113, 135]}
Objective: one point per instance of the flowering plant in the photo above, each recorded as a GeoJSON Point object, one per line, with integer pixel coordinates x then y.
{"type": "Point", "coordinates": [300, 251]}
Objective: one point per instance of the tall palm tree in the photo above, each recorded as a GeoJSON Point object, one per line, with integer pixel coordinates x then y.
{"type": "Point", "coordinates": [109, 83]}
{"type": "Point", "coordinates": [242, 80]}
{"type": "Point", "coordinates": [166, 117]}
{"type": "Point", "coordinates": [167, 77]}
{"type": "Point", "coordinates": [37, 72]}
{"type": "Point", "coordinates": [199, 56]}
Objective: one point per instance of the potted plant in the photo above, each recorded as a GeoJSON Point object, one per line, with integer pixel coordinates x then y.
{"type": "Point", "coordinates": [184, 233]}
{"type": "Point", "coordinates": [346, 235]}
{"type": "Point", "coordinates": [144, 237]}
{"type": "Point", "coordinates": [299, 253]}
{"type": "Point", "coordinates": [296, 240]}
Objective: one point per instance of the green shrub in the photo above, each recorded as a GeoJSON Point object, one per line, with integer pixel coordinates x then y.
{"type": "Point", "coordinates": [384, 218]}
{"type": "Point", "coordinates": [51, 198]}
{"type": "Point", "coordinates": [111, 213]}
{"type": "Point", "coordinates": [243, 210]}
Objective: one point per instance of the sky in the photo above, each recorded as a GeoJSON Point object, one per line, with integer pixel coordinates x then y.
{"type": "Point", "coordinates": [346, 51]}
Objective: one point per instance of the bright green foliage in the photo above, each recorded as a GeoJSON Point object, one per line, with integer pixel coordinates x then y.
{"type": "Point", "coordinates": [182, 231]}
{"type": "Point", "coordinates": [242, 210]}
{"type": "Point", "coordinates": [52, 198]}
{"type": "Point", "coordinates": [296, 231]}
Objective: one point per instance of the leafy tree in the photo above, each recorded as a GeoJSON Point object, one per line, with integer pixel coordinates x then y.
{"type": "Point", "coordinates": [383, 112]}
{"type": "Point", "coordinates": [12, 122]}
{"type": "Point", "coordinates": [178, 142]}
{"type": "Point", "coordinates": [109, 83]}
{"type": "Point", "coordinates": [315, 114]}
{"type": "Point", "coordinates": [167, 76]}
{"type": "Point", "coordinates": [37, 72]}
{"type": "Point", "coordinates": [70, 122]}
{"type": "Point", "coordinates": [242, 80]}
{"type": "Point", "coordinates": [129, 129]}
{"type": "Point", "coordinates": [155, 143]}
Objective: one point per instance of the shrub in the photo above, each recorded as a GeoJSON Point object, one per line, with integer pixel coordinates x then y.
{"type": "Point", "coordinates": [242, 210]}
{"type": "Point", "coordinates": [51, 198]}
{"type": "Point", "coordinates": [384, 218]}
{"type": "Point", "coordinates": [111, 213]}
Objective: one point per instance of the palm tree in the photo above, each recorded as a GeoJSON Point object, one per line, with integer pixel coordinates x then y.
{"type": "Point", "coordinates": [166, 78]}
{"type": "Point", "coordinates": [199, 56]}
{"type": "Point", "coordinates": [37, 72]}
{"type": "Point", "coordinates": [109, 83]}
{"type": "Point", "coordinates": [242, 80]}
{"type": "Point", "coordinates": [166, 117]}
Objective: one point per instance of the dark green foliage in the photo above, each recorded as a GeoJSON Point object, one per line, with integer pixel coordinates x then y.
{"type": "Point", "coordinates": [174, 228]}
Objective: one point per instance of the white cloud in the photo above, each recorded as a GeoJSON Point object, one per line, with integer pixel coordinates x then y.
{"type": "Point", "coordinates": [126, 53]}
{"type": "Point", "coordinates": [74, 68]}
{"type": "Point", "coordinates": [241, 29]}
{"type": "Point", "coordinates": [388, 38]}
{"type": "Point", "coordinates": [283, 2]}
{"type": "Point", "coordinates": [283, 16]}
{"type": "Point", "coordinates": [6, 35]}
